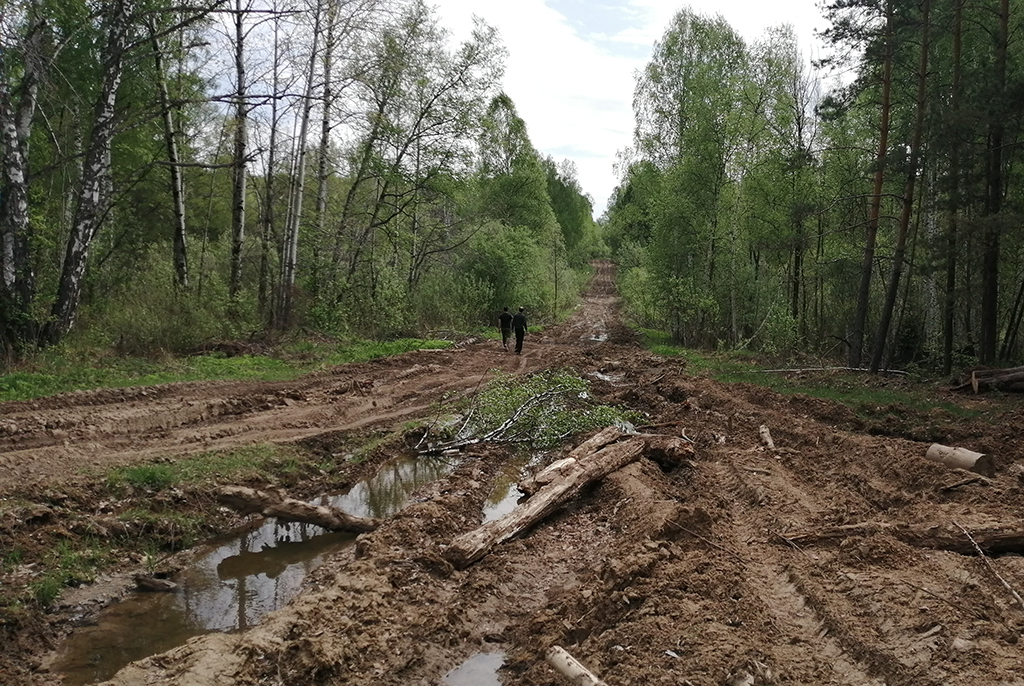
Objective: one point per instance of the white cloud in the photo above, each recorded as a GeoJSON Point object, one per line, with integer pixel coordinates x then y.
{"type": "Point", "coordinates": [571, 72]}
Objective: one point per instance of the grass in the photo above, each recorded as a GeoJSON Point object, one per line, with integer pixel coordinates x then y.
{"type": "Point", "coordinates": [62, 370]}
{"type": "Point", "coordinates": [862, 393]}
{"type": "Point", "coordinates": [252, 460]}
{"type": "Point", "coordinates": [70, 563]}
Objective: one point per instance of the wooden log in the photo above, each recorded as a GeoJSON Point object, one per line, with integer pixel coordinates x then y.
{"type": "Point", "coordinates": [571, 668]}
{"type": "Point", "coordinates": [979, 380]}
{"type": "Point", "coordinates": [556, 469]}
{"type": "Point", "coordinates": [979, 463]}
{"type": "Point", "coordinates": [473, 545]}
{"type": "Point", "coordinates": [250, 501]}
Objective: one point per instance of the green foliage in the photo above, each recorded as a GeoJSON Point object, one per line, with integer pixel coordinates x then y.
{"type": "Point", "coordinates": [542, 409]}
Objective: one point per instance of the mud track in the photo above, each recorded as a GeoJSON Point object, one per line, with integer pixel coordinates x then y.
{"type": "Point", "coordinates": [706, 575]}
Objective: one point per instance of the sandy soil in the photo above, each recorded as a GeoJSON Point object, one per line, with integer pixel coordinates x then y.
{"type": "Point", "coordinates": [728, 571]}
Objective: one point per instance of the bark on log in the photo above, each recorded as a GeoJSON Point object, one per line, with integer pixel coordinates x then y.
{"type": "Point", "coordinates": [994, 539]}
{"type": "Point", "coordinates": [250, 501]}
{"type": "Point", "coordinates": [571, 668]}
{"type": "Point", "coordinates": [979, 380]}
{"type": "Point", "coordinates": [962, 458]}
{"type": "Point", "coordinates": [571, 479]}
{"type": "Point", "coordinates": [532, 484]}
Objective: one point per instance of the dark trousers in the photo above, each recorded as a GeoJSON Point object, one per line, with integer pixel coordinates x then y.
{"type": "Point", "coordinates": [505, 335]}
{"type": "Point", "coordinates": [519, 339]}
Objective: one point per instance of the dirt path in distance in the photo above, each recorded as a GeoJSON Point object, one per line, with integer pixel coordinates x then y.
{"type": "Point", "coordinates": [694, 576]}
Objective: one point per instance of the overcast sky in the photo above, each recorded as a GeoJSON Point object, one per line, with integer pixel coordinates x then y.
{"type": "Point", "coordinates": [571, 64]}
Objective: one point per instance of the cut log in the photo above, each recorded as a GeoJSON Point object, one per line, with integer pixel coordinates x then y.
{"type": "Point", "coordinates": [250, 501]}
{"type": "Point", "coordinates": [979, 380]}
{"type": "Point", "coordinates": [571, 668]}
{"type": "Point", "coordinates": [979, 463]}
{"type": "Point", "coordinates": [473, 545]}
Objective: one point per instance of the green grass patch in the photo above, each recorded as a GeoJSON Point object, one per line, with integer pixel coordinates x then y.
{"type": "Point", "coordinates": [253, 460]}
{"type": "Point", "coordinates": [49, 373]}
{"type": "Point", "coordinates": [860, 392]}
{"type": "Point", "coordinates": [70, 563]}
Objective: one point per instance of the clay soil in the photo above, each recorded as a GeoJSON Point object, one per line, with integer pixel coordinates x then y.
{"type": "Point", "coordinates": [732, 569]}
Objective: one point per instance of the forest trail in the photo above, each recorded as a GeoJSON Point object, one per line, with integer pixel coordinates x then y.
{"type": "Point", "coordinates": [56, 438]}
{"type": "Point", "coordinates": [715, 573]}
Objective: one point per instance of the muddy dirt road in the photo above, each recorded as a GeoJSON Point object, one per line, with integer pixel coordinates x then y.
{"type": "Point", "coordinates": [835, 558]}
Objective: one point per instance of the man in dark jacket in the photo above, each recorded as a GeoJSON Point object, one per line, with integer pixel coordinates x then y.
{"type": "Point", "coordinates": [519, 326]}
{"type": "Point", "coordinates": [505, 324]}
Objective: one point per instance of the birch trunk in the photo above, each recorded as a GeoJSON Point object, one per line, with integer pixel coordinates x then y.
{"type": "Point", "coordinates": [238, 178]}
{"type": "Point", "coordinates": [94, 195]}
{"type": "Point", "coordinates": [291, 242]}
{"type": "Point", "coordinates": [17, 280]}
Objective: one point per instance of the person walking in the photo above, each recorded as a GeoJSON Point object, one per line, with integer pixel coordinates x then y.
{"type": "Point", "coordinates": [505, 324]}
{"type": "Point", "coordinates": [519, 326]}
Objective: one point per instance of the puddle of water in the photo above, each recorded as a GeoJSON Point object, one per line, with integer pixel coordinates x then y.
{"type": "Point", "coordinates": [234, 582]}
{"type": "Point", "coordinates": [506, 494]}
{"type": "Point", "coordinates": [479, 670]}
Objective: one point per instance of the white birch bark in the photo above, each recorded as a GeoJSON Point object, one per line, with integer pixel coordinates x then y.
{"type": "Point", "coordinates": [93, 198]}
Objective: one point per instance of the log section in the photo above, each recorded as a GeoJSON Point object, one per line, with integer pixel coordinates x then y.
{"type": "Point", "coordinates": [250, 501]}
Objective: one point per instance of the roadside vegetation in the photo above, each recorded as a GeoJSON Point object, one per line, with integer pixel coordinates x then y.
{"type": "Point", "coordinates": [58, 370]}
{"type": "Point", "coordinates": [867, 395]}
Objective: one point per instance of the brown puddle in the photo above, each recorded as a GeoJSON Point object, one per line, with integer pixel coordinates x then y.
{"type": "Point", "coordinates": [234, 583]}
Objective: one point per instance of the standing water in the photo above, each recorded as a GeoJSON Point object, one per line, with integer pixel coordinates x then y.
{"type": "Point", "coordinates": [234, 582]}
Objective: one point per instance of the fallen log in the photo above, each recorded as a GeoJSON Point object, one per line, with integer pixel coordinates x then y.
{"type": "Point", "coordinates": [570, 481]}
{"type": "Point", "coordinates": [961, 458]}
{"type": "Point", "coordinates": [251, 501]}
{"type": "Point", "coordinates": [571, 668]}
{"type": "Point", "coordinates": [553, 471]}
{"type": "Point", "coordinates": [668, 452]}
{"type": "Point", "coordinates": [979, 380]}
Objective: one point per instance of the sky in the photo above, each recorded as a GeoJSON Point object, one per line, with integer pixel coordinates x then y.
{"type": "Point", "coordinates": [571, 65]}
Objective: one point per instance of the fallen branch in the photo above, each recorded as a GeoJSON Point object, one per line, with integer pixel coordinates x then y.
{"type": "Point", "coordinates": [250, 501]}
{"type": "Point", "coordinates": [897, 372]}
{"type": "Point", "coordinates": [571, 668]}
{"type": "Point", "coordinates": [500, 433]}
{"type": "Point", "coordinates": [706, 540]}
{"type": "Point", "coordinates": [994, 539]}
{"type": "Point", "coordinates": [984, 558]}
